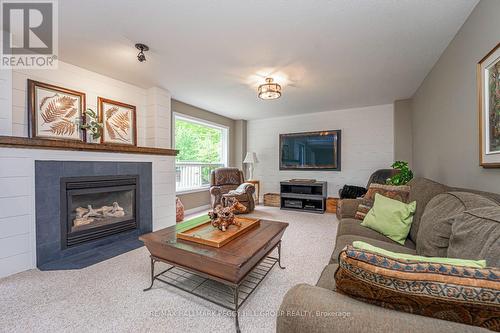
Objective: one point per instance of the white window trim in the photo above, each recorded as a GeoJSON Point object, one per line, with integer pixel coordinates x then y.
{"type": "Point", "coordinates": [225, 143]}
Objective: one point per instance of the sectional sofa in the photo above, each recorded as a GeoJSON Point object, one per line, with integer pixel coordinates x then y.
{"type": "Point", "coordinates": [320, 308]}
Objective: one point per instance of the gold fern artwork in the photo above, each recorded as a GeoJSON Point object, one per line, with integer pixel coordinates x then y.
{"type": "Point", "coordinates": [56, 112]}
{"type": "Point", "coordinates": [119, 122]}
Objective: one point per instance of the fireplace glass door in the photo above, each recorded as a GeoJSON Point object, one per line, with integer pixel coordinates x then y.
{"type": "Point", "coordinates": [103, 207]}
{"type": "Point", "coordinates": [97, 208]}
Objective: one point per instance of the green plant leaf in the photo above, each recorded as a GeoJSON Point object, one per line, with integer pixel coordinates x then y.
{"type": "Point", "coordinates": [404, 175]}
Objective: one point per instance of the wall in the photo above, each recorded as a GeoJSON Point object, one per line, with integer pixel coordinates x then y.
{"type": "Point", "coordinates": [5, 102]}
{"type": "Point", "coordinates": [195, 201]}
{"type": "Point", "coordinates": [237, 143]}
{"type": "Point", "coordinates": [403, 138]}
{"type": "Point", "coordinates": [152, 105]}
{"type": "Point", "coordinates": [445, 123]}
{"type": "Point", "coordinates": [367, 145]}
{"type": "Point", "coordinates": [240, 143]}
{"type": "Point", "coordinates": [17, 198]}
{"type": "Point", "coordinates": [17, 215]}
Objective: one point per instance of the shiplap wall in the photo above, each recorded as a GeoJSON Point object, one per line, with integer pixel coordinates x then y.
{"type": "Point", "coordinates": [152, 105]}
{"type": "Point", "coordinates": [367, 145]}
{"type": "Point", "coordinates": [17, 215]}
{"type": "Point", "coordinates": [17, 198]}
{"type": "Point", "coordinates": [5, 102]}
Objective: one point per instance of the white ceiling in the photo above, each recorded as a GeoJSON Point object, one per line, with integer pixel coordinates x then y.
{"type": "Point", "coordinates": [328, 55]}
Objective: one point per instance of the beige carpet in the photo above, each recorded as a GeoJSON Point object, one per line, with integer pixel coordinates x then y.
{"type": "Point", "coordinates": [108, 296]}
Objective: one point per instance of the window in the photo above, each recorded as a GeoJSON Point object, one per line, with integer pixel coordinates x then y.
{"type": "Point", "coordinates": [202, 148]}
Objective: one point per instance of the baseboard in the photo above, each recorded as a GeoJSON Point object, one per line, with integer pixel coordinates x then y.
{"type": "Point", "coordinates": [196, 209]}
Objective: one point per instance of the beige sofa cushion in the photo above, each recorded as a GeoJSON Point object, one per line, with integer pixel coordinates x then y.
{"type": "Point", "coordinates": [353, 227]}
{"type": "Point", "coordinates": [440, 213]}
{"type": "Point", "coordinates": [422, 190]}
{"type": "Point", "coordinates": [477, 236]}
{"type": "Point", "coordinates": [312, 309]}
{"type": "Point", "coordinates": [327, 278]}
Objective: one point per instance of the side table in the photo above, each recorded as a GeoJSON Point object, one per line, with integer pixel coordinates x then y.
{"type": "Point", "coordinates": [255, 183]}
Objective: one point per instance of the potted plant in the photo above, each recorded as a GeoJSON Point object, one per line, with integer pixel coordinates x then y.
{"type": "Point", "coordinates": [92, 125]}
{"type": "Point", "coordinates": [403, 176]}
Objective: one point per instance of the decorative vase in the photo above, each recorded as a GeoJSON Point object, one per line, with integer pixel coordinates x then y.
{"type": "Point", "coordinates": [179, 210]}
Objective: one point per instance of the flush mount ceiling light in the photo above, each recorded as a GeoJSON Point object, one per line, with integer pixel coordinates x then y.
{"type": "Point", "coordinates": [269, 90]}
{"type": "Point", "coordinates": [141, 47]}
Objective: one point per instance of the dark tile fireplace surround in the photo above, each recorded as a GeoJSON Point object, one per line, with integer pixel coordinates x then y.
{"type": "Point", "coordinates": [87, 212]}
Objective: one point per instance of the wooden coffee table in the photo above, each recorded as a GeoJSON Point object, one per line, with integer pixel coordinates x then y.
{"type": "Point", "coordinates": [239, 265]}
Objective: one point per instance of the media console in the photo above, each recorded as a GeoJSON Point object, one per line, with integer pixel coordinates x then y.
{"type": "Point", "coordinates": [303, 195]}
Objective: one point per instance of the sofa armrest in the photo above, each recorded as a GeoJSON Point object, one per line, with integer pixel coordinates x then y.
{"type": "Point", "coordinates": [307, 308]}
{"type": "Point", "coordinates": [347, 208]}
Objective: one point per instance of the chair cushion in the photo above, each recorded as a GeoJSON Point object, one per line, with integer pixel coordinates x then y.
{"type": "Point", "coordinates": [389, 245]}
{"type": "Point", "coordinates": [455, 293]}
{"type": "Point", "coordinates": [227, 176]}
{"type": "Point", "coordinates": [327, 278]}
{"type": "Point", "coordinates": [477, 236]}
{"type": "Point", "coordinates": [440, 214]}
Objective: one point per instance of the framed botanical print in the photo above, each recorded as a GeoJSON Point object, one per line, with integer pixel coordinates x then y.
{"type": "Point", "coordinates": [118, 121]}
{"type": "Point", "coordinates": [54, 112]}
{"type": "Point", "coordinates": [488, 82]}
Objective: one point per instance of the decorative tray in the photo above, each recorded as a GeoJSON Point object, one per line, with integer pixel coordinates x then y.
{"type": "Point", "coordinates": [206, 234]}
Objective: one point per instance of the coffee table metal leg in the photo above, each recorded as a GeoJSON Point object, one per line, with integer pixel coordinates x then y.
{"type": "Point", "coordinates": [279, 256]}
{"type": "Point", "coordinates": [152, 275]}
{"type": "Point", "coordinates": [236, 306]}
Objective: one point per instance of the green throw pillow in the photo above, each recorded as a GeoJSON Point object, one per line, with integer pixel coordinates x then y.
{"type": "Point", "coordinates": [447, 261]}
{"type": "Point", "coordinates": [390, 217]}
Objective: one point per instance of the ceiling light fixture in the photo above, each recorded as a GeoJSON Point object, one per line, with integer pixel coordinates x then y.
{"type": "Point", "coordinates": [141, 47]}
{"type": "Point", "coordinates": [269, 90]}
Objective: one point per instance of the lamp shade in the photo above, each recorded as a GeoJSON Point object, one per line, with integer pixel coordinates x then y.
{"type": "Point", "coordinates": [251, 157]}
{"type": "Point", "coordinates": [269, 90]}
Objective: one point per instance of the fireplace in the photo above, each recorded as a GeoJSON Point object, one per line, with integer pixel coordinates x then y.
{"type": "Point", "coordinates": [69, 235]}
{"type": "Point", "coordinates": [96, 207]}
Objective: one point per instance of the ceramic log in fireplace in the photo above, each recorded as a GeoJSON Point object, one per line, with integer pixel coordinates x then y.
{"type": "Point", "coordinates": [97, 207]}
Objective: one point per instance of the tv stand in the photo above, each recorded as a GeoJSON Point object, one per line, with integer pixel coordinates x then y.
{"type": "Point", "coordinates": [303, 196]}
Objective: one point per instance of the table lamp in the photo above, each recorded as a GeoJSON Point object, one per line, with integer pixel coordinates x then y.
{"type": "Point", "coordinates": [251, 159]}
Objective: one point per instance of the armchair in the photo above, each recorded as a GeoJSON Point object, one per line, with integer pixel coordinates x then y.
{"type": "Point", "coordinates": [229, 182]}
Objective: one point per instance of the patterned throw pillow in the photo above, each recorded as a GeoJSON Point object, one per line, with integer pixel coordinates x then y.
{"type": "Point", "coordinates": [456, 293]}
{"type": "Point", "coordinates": [400, 193]}
{"type": "Point", "coordinates": [363, 208]}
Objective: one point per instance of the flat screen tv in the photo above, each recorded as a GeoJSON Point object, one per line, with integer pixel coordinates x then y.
{"type": "Point", "coordinates": [310, 151]}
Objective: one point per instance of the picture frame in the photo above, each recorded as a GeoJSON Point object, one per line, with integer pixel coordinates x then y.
{"type": "Point", "coordinates": [488, 95]}
{"type": "Point", "coordinates": [55, 113]}
{"type": "Point", "coordinates": [119, 122]}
